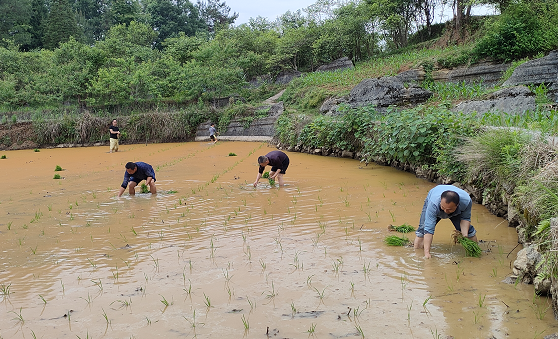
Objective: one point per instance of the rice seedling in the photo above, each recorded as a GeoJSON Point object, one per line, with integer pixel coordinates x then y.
{"type": "Point", "coordinates": [99, 284]}
{"type": "Point", "coordinates": [36, 150]}
{"type": "Point", "coordinates": [43, 299]}
{"type": "Point", "coordinates": [359, 330]}
{"type": "Point", "coordinates": [231, 154]}
{"type": "Point", "coordinates": [18, 317]}
{"type": "Point", "coordinates": [88, 300]}
{"type": "Point", "coordinates": [476, 317]}
{"type": "Point", "coordinates": [426, 302]}
{"type": "Point", "coordinates": [5, 289]}
{"type": "Point", "coordinates": [321, 294]}
{"type": "Point", "coordinates": [294, 310]}
{"type": "Point", "coordinates": [404, 228]}
{"type": "Point", "coordinates": [311, 329]}
{"type": "Point", "coordinates": [271, 294]}
{"type": "Point", "coordinates": [226, 275]}
{"type": "Point", "coordinates": [93, 265]}
{"type": "Point", "coordinates": [252, 304]}
{"type": "Point", "coordinates": [263, 265]}
{"type": "Point", "coordinates": [3, 156]}
{"type": "Point", "coordinates": [33, 250]}
{"type": "Point", "coordinates": [10, 225]}
{"type": "Point", "coordinates": [56, 176]}
{"type": "Point", "coordinates": [245, 322]}
{"type": "Point", "coordinates": [471, 248]}
{"type": "Point", "coordinates": [435, 334]}
{"type": "Point", "coordinates": [449, 285]}
{"type": "Point", "coordinates": [57, 168]}
{"type": "Point", "coordinates": [494, 272]}
{"type": "Point", "coordinates": [106, 317]}
{"type": "Point", "coordinates": [165, 302]}
{"type": "Point", "coordinates": [207, 301]}
{"type": "Point", "coordinates": [393, 240]}
{"type": "Point", "coordinates": [123, 303]}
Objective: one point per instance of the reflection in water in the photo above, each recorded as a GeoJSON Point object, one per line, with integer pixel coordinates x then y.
{"type": "Point", "coordinates": [219, 255]}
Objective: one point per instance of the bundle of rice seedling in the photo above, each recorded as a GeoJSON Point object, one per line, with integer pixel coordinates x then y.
{"type": "Point", "coordinates": [144, 188]}
{"type": "Point", "coordinates": [404, 228]}
{"type": "Point", "coordinates": [471, 248]}
{"type": "Point", "coordinates": [266, 175]}
{"type": "Point", "coordinates": [393, 240]}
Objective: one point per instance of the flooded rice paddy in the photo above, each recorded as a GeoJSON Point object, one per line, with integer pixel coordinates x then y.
{"type": "Point", "coordinates": [212, 257]}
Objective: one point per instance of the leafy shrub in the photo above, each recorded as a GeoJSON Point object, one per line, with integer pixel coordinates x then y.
{"type": "Point", "coordinates": [524, 29]}
{"type": "Point", "coordinates": [411, 136]}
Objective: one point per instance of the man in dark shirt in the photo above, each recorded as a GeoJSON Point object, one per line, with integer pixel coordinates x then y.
{"type": "Point", "coordinates": [279, 162]}
{"type": "Point", "coordinates": [114, 137]}
{"type": "Point", "coordinates": [134, 174]}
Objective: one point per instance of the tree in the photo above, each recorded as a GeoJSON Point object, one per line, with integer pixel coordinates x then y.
{"type": "Point", "coordinates": [168, 18]}
{"type": "Point", "coordinates": [14, 22]}
{"type": "Point", "coordinates": [39, 14]}
{"type": "Point", "coordinates": [60, 25]}
{"type": "Point", "coordinates": [124, 12]}
{"type": "Point", "coordinates": [396, 18]}
{"type": "Point", "coordinates": [215, 15]}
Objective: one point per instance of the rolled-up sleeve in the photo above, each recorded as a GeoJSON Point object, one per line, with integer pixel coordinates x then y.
{"type": "Point", "coordinates": [126, 179]}
{"type": "Point", "coordinates": [430, 219]}
{"type": "Point", "coordinates": [466, 213]}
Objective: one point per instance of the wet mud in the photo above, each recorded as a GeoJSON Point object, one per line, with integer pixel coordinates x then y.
{"type": "Point", "coordinates": [213, 257]}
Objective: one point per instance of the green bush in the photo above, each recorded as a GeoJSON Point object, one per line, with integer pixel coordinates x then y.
{"type": "Point", "coordinates": [418, 135]}
{"type": "Point", "coordinates": [524, 29]}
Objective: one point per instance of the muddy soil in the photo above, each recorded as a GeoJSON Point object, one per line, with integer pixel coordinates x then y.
{"type": "Point", "coordinates": [213, 257]}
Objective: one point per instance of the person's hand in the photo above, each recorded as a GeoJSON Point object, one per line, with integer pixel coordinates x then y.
{"type": "Point", "coordinates": [255, 184]}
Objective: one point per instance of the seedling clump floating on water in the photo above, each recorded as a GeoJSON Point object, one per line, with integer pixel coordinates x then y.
{"type": "Point", "coordinates": [57, 168]}
{"type": "Point", "coordinates": [3, 156]}
{"type": "Point", "coordinates": [393, 240]}
{"type": "Point", "coordinates": [471, 248]}
{"type": "Point", "coordinates": [404, 228]}
{"type": "Point", "coordinates": [231, 154]}
{"type": "Point", "coordinates": [36, 150]}
{"type": "Point", "coordinates": [56, 176]}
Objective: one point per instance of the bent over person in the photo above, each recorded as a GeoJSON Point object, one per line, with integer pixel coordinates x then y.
{"type": "Point", "coordinates": [444, 202]}
{"type": "Point", "coordinates": [134, 174]}
{"type": "Point", "coordinates": [279, 162]}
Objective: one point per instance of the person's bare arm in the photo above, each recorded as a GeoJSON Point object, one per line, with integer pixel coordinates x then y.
{"type": "Point", "coordinates": [465, 225]}
{"type": "Point", "coordinates": [427, 244]}
{"type": "Point", "coordinates": [257, 181]}
{"type": "Point", "coordinates": [121, 191]}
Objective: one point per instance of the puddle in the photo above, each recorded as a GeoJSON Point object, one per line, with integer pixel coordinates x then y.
{"type": "Point", "coordinates": [218, 255]}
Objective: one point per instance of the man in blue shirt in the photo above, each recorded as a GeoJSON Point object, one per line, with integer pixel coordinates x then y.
{"type": "Point", "coordinates": [444, 202]}
{"type": "Point", "coordinates": [134, 174]}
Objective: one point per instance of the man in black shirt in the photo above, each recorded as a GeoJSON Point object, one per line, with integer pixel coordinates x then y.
{"type": "Point", "coordinates": [279, 162]}
{"type": "Point", "coordinates": [114, 137]}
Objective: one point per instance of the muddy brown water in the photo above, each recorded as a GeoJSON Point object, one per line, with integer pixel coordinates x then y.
{"type": "Point", "coordinates": [232, 261]}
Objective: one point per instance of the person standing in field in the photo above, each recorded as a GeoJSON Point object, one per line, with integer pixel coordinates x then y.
{"type": "Point", "coordinates": [279, 162]}
{"type": "Point", "coordinates": [114, 134]}
{"type": "Point", "coordinates": [444, 202]}
{"type": "Point", "coordinates": [134, 174]}
{"type": "Point", "coordinates": [213, 133]}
